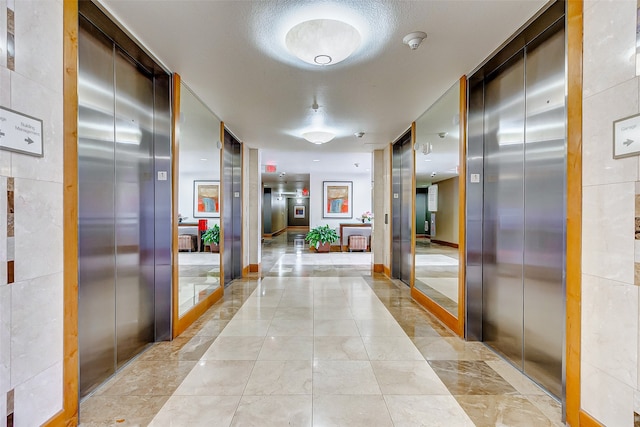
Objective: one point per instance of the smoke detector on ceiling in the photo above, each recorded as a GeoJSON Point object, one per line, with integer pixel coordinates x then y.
{"type": "Point", "coordinates": [414, 39]}
{"type": "Point", "coordinates": [359, 134]}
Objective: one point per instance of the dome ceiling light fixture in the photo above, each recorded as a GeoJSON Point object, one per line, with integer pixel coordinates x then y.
{"type": "Point", "coordinates": [322, 41]}
{"type": "Point", "coordinates": [318, 136]}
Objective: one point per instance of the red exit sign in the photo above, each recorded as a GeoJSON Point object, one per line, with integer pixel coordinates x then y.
{"type": "Point", "coordinates": [270, 168]}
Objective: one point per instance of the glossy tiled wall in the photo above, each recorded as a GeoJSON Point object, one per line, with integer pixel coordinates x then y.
{"type": "Point", "coordinates": [609, 388]}
{"type": "Point", "coordinates": [31, 302]}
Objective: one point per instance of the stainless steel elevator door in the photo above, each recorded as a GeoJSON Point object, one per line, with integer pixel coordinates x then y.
{"type": "Point", "coordinates": [96, 228]}
{"type": "Point", "coordinates": [544, 229]}
{"type": "Point", "coordinates": [402, 187]}
{"type": "Point", "coordinates": [232, 208]}
{"type": "Point", "coordinates": [504, 211]}
{"type": "Point", "coordinates": [134, 209]}
{"type": "Point", "coordinates": [524, 209]}
{"type": "Point", "coordinates": [115, 208]}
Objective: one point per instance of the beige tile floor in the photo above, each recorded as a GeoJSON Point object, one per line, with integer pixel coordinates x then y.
{"type": "Point", "coordinates": [331, 345]}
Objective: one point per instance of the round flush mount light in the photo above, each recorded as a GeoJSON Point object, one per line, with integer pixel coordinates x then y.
{"type": "Point", "coordinates": [322, 41]}
{"type": "Point", "coordinates": [318, 136]}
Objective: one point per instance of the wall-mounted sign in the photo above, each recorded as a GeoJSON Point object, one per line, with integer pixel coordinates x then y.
{"type": "Point", "coordinates": [626, 137]}
{"type": "Point", "coordinates": [432, 198]}
{"type": "Point", "coordinates": [20, 133]}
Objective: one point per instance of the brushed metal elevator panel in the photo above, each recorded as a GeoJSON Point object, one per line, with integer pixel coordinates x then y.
{"type": "Point", "coordinates": [402, 187]}
{"type": "Point", "coordinates": [544, 228]}
{"type": "Point", "coordinates": [232, 208]}
{"type": "Point", "coordinates": [124, 260]}
{"type": "Point", "coordinates": [96, 232]}
{"type": "Point", "coordinates": [517, 145]}
{"type": "Point", "coordinates": [134, 209]}
{"type": "Point", "coordinates": [503, 227]}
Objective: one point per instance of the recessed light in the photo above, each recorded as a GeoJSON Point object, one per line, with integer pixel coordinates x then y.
{"type": "Point", "coordinates": [427, 160]}
{"type": "Point", "coordinates": [204, 160]}
{"type": "Point", "coordinates": [316, 160]}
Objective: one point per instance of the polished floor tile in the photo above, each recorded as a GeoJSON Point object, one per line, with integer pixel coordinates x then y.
{"type": "Point", "coordinates": [217, 378]}
{"type": "Point", "coordinates": [287, 348]}
{"type": "Point", "coordinates": [234, 348]}
{"type": "Point", "coordinates": [319, 342]}
{"type": "Point", "coordinates": [273, 411]}
{"type": "Point", "coordinates": [513, 411]}
{"type": "Point", "coordinates": [427, 411]}
{"type": "Point", "coordinates": [204, 411]}
{"type": "Point", "coordinates": [339, 348]}
{"type": "Point", "coordinates": [280, 377]}
{"type": "Point", "coordinates": [408, 378]}
{"type": "Point", "coordinates": [471, 377]}
{"type": "Point", "coordinates": [344, 377]}
{"type": "Point", "coordinates": [352, 411]}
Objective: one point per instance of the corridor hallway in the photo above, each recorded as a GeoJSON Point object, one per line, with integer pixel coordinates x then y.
{"type": "Point", "coordinates": [317, 340]}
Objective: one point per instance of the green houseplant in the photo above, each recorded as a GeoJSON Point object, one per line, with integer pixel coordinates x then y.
{"type": "Point", "coordinates": [321, 237]}
{"type": "Point", "coordinates": [212, 237]}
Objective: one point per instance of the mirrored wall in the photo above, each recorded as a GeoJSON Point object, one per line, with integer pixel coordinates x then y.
{"type": "Point", "coordinates": [198, 196]}
{"type": "Point", "coordinates": [437, 145]}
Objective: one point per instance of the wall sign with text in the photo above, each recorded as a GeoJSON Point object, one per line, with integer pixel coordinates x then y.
{"type": "Point", "coordinates": [20, 133]}
{"type": "Point", "coordinates": [626, 137]}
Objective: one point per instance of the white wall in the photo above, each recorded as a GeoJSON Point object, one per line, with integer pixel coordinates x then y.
{"type": "Point", "coordinates": [609, 366]}
{"type": "Point", "coordinates": [380, 240]}
{"type": "Point", "coordinates": [361, 198]}
{"type": "Point", "coordinates": [31, 308]}
{"type": "Point", "coordinates": [447, 227]}
{"type": "Point", "coordinates": [278, 212]}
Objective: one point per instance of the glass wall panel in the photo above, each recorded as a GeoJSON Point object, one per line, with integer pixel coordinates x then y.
{"type": "Point", "coordinates": [437, 145]}
{"type": "Point", "coordinates": [198, 201]}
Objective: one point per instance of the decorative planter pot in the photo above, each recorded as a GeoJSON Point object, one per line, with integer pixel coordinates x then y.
{"type": "Point", "coordinates": [213, 247]}
{"type": "Point", "coordinates": [323, 247]}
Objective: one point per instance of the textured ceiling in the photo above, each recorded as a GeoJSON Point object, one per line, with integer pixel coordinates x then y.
{"type": "Point", "coordinates": [232, 55]}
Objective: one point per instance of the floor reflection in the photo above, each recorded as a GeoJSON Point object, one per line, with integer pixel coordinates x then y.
{"type": "Point", "coordinates": [437, 273]}
{"type": "Point", "coordinates": [336, 345]}
{"type": "Point", "coordinates": [199, 276]}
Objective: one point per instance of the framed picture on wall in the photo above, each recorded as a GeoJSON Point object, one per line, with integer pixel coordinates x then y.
{"type": "Point", "coordinates": [206, 199]}
{"type": "Point", "coordinates": [298, 211]}
{"type": "Point", "coordinates": [337, 197]}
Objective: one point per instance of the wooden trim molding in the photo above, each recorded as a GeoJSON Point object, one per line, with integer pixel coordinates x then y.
{"type": "Point", "coordinates": [587, 420]}
{"type": "Point", "coordinates": [462, 210]}
{"type": "Point", "coordinates": [455, 324]}
{"type": "Point", "coordinates": [443, 315]}
{"type": "Point", "coordinates": [198, 310]}
{"type": "Point", "coordinates": [378, 268]}
{"type": "Point", "coordinates": [574, 28]}
{"type": "Point", "coordinates": [175, 183]}
{"type": "Point", "coordinates": [443, 243]}
{"type": "Point", "coordinates": [386, 270]}
{"type": "Point", "coordinates": [255, 268]}
{"type": "Point", "coordinates": [181, 323]}
{"type": "Point", "coordinates": [412, 279]}
{"type": "Point", "coordinates": [68, 416]}
{"type": "Point", "coordinates": [221, 195]}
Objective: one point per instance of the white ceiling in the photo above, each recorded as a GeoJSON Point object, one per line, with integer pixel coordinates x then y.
{"type": "Point", "coordinates": [232, 55]}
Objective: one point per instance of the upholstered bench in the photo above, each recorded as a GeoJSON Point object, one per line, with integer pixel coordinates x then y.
{"type": "Point", "coordinates": [357, 243]}
{"type": "Point", "coordinates": [186, 242]}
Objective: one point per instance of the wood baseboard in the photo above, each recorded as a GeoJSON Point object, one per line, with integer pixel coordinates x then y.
{"type": "Point", "coordinates": [443, 243]}
{"type": "Point", "coordinates": [587, 420]}
{"type": "Point", "coordinates": [378, 268]}
{"type": "Point", "coordinates": [255, 268]}
{"type": "Point", "coordinates": [387, 271]}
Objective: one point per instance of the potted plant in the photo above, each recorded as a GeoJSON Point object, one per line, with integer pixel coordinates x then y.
{"type": "Point", "coordinates": [211, 237]}
{"type": "Point", "coordinates": [321, 238]}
